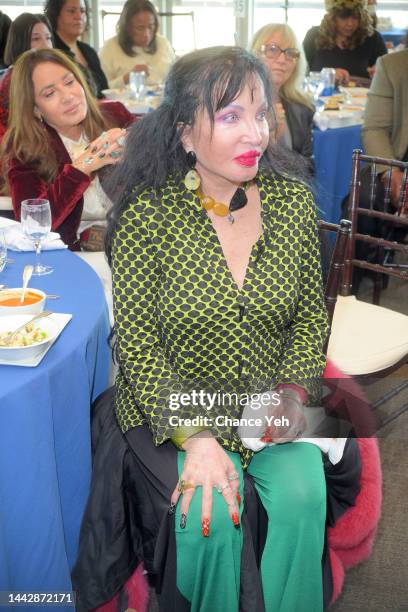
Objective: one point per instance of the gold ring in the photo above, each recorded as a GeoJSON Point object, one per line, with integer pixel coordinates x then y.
{"type": "Point", "coordinates": [183, 485]}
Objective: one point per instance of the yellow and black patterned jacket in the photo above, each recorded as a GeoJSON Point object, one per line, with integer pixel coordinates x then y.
{"type": "Point", "coordinates": [181, 317]}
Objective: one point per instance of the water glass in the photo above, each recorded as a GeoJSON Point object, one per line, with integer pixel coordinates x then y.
{"type": "Point", "coordinates": [328, 80]}
{"type": "Point", "coordinates": [3, 251]}
{"type": "Point", "coordinates": [137, 84]}
{"type": "Point", "coordinates": [36, 224]}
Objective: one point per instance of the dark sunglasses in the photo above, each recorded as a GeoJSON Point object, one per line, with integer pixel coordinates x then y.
{"type": "Point", "coordinates": [273, 52]}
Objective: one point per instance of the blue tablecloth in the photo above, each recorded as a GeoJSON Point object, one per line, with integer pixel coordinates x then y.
{"type": "Point", "coordinates": [332, 154]}
{"type": "Point", "coordinates": [394, 36]}
{"type": "Point", "coordinates": [45, 458]}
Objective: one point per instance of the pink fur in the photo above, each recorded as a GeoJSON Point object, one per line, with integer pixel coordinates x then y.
{"type": "Point", "coordinates": [352, 537]}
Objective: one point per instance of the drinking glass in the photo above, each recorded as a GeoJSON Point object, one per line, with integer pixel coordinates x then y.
{"type": "Point", "coordinates": [137, 84]}
{"type": "Point", "coordinates": [36, 224]}
{"type": "Point", "coordinates": [3, 251]}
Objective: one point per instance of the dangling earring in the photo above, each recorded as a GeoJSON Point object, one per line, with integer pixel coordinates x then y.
{"type": "Point", "coordinates": [192, 179]}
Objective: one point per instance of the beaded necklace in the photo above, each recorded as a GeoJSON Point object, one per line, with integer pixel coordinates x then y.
{"type": "Point", "coordinates": [238, 200]}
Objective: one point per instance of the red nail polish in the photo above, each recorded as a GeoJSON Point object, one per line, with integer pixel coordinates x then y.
{"type": "Point", "coordinates": [205, 527]}
{"type": "Point", "coordinates": [235, 519]}
{"type": "Point", "coordinates": [238, 499]}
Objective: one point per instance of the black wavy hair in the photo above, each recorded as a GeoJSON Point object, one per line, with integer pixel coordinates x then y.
{"type": "Point", "coordinates": [130, 9]}
{"type": "Point", "coordinates": [19, 36]}
{"type": "Point", "coordinates": [208, 79]}
{"type": "Point", "coordinates": [52, 9]}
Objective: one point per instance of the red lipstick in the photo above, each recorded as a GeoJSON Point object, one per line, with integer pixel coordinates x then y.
{"type": "Point", "coordinates": [248, 159]}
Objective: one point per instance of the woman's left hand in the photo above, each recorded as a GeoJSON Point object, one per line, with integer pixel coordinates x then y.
{"type": "Point", "coordinates": [289, 408]}
{"type": "Point", "coordinates": [105, 150]}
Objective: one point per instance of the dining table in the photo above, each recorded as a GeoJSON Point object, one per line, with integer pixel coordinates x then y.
{"type": "Point", "coordinates": [45, 439]}
{"type": "Point", "coordinates": [332, 150]}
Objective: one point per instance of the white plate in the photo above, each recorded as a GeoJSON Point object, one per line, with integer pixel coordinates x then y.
{"type": "Point", "coordinates": [59, 320]}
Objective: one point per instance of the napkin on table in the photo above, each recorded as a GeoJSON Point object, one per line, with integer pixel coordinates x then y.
{"type": "Point", "coordinates": [16, 240]}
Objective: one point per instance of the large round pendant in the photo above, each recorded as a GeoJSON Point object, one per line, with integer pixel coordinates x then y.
{"type": "Point", "coordinates": [192, 180]}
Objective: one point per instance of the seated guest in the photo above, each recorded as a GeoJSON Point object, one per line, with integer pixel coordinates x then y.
{"type": "Point", "coordinates": [69, 20]}
{"type": "Point", "coordinates": [137, 47]}
{"type": "Point", "coordinates": [27, 31]}
{"type": "Point", "coordinates": [217, 283]}
{"type": "Point", "coordinates": [64, 140]}
{"type": "Point", "coordinates": [5, 23]}
{"type": "Point", "coordinates": [345, 40]}
{"type": "Point", "coordinates": [385, 133]}
{"type": "Point", "coordinates": [276, 45]}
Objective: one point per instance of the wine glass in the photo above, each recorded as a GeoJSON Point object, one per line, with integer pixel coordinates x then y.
{"type": "Point", "coordinates": [3, 251]}
{"type": "Point", "coordinates": [36, 224]}
{"type": "Point", "coordinates": [137, 84]}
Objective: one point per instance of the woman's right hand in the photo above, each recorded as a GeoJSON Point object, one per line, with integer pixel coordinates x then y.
{"type": "Point", "coordinates": [342, 76]}
{"type": "Point", "coordinates": [105, 150]}
{"type": "Point", "coordinates": [207, 465]}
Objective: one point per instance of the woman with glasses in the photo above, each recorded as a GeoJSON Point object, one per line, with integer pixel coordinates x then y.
{"type": "Point", "coordinates": [69, 20]}
{"type": "Point", "coordinates": [137, 47]}
{"type": "Point", "coordinates": [345, 40]}
{"type": "Point", "coordinates": [276, 45]}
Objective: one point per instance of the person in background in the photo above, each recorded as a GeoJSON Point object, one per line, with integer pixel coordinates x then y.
{"type": "Point", "coordinates": [276, 45]}
{"type": "Point", "coordinates": [62, 144]}
{"type": "Point", "coordinates": [69, 20]}
{"type": "Point", "coordinates": [385, 134]}
{"type": "Point", "coordinates": [345, 40]}
{"type": "Point", "coordinates": [137, 47]}
{"type": "Point", "coordinates": [5, 23]}
{"type": "Point", "coordinates": [217, 285]}
{"type": "Point", "coordinates": [28, 31]}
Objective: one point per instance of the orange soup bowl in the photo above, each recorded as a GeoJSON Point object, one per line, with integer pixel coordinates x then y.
{"type": "Point", "coordinates": [34, 301]}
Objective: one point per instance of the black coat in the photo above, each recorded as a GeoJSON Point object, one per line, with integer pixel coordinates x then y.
{"type": "Point", "coordinates": [300, 123]}
{"type": "Point", "coordinates": [94, 73]}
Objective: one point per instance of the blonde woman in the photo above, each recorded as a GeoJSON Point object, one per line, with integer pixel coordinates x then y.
{"type": "Point", "coordinates": [276, 45]}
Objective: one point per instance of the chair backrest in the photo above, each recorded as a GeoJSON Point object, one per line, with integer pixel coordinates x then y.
{"type": "Point", "coordinates": [337, 263]}
{"type": "Point", "coordinates": [372, 199]}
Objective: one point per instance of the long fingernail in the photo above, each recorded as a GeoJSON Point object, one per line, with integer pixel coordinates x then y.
{"type": "Point", "coordinates": [94, 150]}
{"type": "Point", "coordinates": [87, 147]}
{"type": "Point", "coordinates": [205, 527]}
{"type": "Point", "coordinates": [238, 499]}
{"type": "Point", "coordinates": [172, 508]}
{"type": "Point", "coordinates": [183, 521]}
{"type": "Point", "coordinates": [235, 520]}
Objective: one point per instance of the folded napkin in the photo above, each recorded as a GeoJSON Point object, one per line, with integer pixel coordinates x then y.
{"type": "Point", "coordinates": [16, 240]}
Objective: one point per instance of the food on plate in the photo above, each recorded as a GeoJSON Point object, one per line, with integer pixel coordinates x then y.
{"type": "Point", "coordinates": [331, 104]}
{"type": "Point", "coordinates": [12, 298]}
{"type": "Point", "coordinates": [26, 337]}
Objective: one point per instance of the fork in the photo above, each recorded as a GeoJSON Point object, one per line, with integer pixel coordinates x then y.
{"type": "Point", "coordinates": [8, 339]}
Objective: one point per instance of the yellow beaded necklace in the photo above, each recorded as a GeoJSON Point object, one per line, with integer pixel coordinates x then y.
{"type": "Point", "coordinates": [238, 200]}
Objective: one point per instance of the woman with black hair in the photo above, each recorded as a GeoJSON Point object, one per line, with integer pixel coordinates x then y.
{"type": "Point", "coordinates": [28, 31]}
{"type": "Point", "coordinates": [137, 47]}
{"type": "Point", "coordinates": [5, 23]}
{"type": "Point", "coordinates": [217, 297]}
{"type": "Point", "coordinates": [69, 20]}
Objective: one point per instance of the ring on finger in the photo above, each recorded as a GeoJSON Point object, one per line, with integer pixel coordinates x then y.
{"type": "Point", "coordinates": [115, 154]}
{"type": "Point", "coordinates": [233, 476]}
{"type": "Point", "coordinates": [183, 485]}
{"type": "Point", "coordinates": [220, 488]}
{"type": "Point", "coordinates": [121, 141]}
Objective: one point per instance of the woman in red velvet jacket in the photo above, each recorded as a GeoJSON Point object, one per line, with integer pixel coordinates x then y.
{"type": "Point", "coordinates": [58, 139]}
